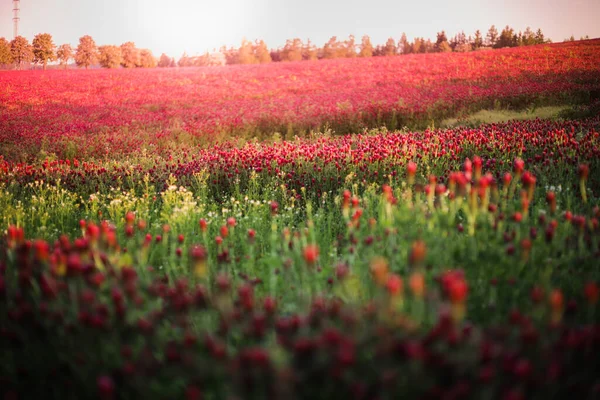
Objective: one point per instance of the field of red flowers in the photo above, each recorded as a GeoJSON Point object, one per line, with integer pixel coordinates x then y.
{"type": "Point", "coordinates": [106, 114]}
{"type": "Point", "coordinates": [139, 260]}
{"type": "Point", "coordinates": [320, 165]}
{"type": "Point", "coordinates": [465, 286]}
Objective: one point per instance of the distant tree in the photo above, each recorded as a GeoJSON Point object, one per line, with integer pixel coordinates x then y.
{"type": "Point", "coordinates": [404, 47]}
{"type": "Point", "coordinates": [43, 49]}
{"type": "Point", "coordinates": [462, 38]}
{"type": "Point", "coordinates": [330, 49]}
{"type": "Point", "coordinates": [184, 60]}
{"type": "Point", "coordinates": [463, 47]}
{"type": "Point", "coordinates": [348, 49]}
{"type": "Point", "coordinates": [441, 43]}
{"type": "Point", "coordinates": [453, 42]}
{"type": "Point", "coordinates": [215, 58]}
{"type": "Point", "coordinates": [64, 54]}
{"type": "Point", "coordinates": [292, 51]}
{"type": "Point", "coordinates": [173, 63]}
{"type": "Point", "coordinates": [201, 61]}
{"type": "Point", "coordinates": [310, 51]}
{"type": "Point", "coordinates": [246, 53]}
{"type": "Point", "coordinates": [87, 52]}
{"type": "Point", "coordinates": [21, 51]}
{"type": "Point", "coordinates": [492, 36]}
{"type": "Point", "coordinates": [518, 39]}
{"type": "Point", "coordinates": [109, 56]}
{"type": "Point", "coordinates": [507, 38]}
{"type": "Point", "coordinates": [528, 37]}
{"type": "Point", "coordinates": [428, 46]}
{"type": "Point", "coordinates": [440, 38]}
{"type": "Point", "coordinates": [276, 55]}
{"type": "Point", "coordinates": [261, 52]}
{"type": "Point", "coordinates": [539, 37]}
{"type": "Point", "coordinates": [164, 61]}
{"type": "Point", "coordinates": [459, 42]}
{"type": "Point", "coordinates": [443, 47]}
{"type": "Point", "coordinates": [378, 51]}
{"type": "Point", "coordinates": [231, 55]}
{"type": "Point", "coordinates": [586, 37]}
{"type": "Point", "coordinates": [366, 47]}
{"type": "Point", "coordinates": [5, 53]}
{"type": "Point", "coordinates": [147, 59]}
{"type": "Point", "coordinates": [418, 46]}
{"type": "Point", "coordinates": [390, 47]}
{"type": "Point", "coordinates": [130, 55]}
{"type": "Point", "coordinates": [477, 40]}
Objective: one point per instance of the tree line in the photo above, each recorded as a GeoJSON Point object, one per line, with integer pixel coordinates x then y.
{"type": "Point", "coordinates": [296, 50]}
{"type": "Point", "coordinates": [42, 50]}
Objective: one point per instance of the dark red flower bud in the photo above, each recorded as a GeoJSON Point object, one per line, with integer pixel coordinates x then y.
{"type": "Point", "coordinates": [129, 218]}
{"type": "Point", "coordinates": [223, 283]}
{"type": "Point", "coordinates": [518, 166]}
{"type": "Point", "coordinates": [523, 368]}
{"type": "Point", "coordinates": [274, 207]}
{"type": "Point", "coordinates": [591, 292]}
{"type": "Point", "coordinates": [341, 271]}
{"type": "Point", "coordinates": [269, 305]}
{"type": "Point", "coordinates": [517, 217]}
{"type": "Point", "coordinates": [192, 392]}
{"type": "Point", "coordinates": [74, 265]}
{"type": "Point", "coordinates": [411, 169]}
{"type": "Point", "coordinates": [583, 171]}
{"type": "Point", "coordinates": [144, 325]}
{"type": "Point", "coordinates": [311, 253]}
{"type": "Point", "coordinates": [106, 387]}
{"type": "Point", "coordinates": [129, 231]}
{"type": "Point", "coordinates": [203, 225]}
{"type": "Point", "coordinates": [537, 294]}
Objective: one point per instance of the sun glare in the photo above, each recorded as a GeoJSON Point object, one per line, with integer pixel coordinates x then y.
{"type": "Point", "coordinates": [194, 27]}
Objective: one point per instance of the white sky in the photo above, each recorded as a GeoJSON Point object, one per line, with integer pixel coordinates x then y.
{"type": "Point", "coordinates": [199, 25]}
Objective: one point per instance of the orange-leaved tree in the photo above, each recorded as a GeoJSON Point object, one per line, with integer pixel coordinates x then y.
{"type": "Point", "coordinates": [6, 57]}
{"type": "Point", "coordinates": [64, 54]}
{"type": "Point", "coordinates": [109, 56]}
{"type": "Point", "coordinates": [44, 49]}
{"type": "Point", "coordinates": [21, 51]}
{"type": "Point", "coordinates": [130, 55]}
{"type": "Point", "coordinates": [87, 52]}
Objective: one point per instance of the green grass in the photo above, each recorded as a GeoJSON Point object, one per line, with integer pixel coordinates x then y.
{"type": "Point", "coordinates": [497, 116]}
